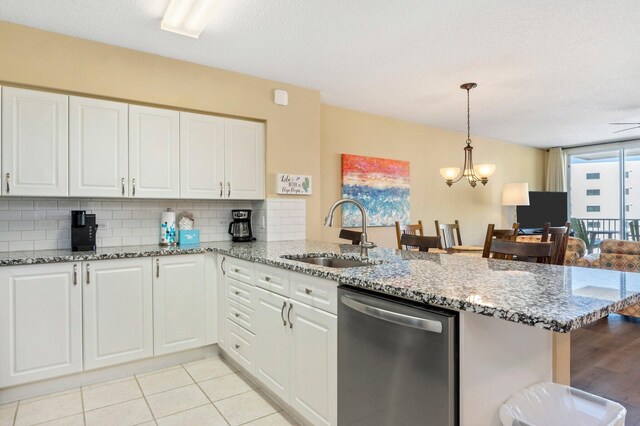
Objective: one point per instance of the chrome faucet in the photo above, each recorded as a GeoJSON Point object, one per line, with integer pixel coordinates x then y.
{"type": "Point", "coordinates": [365, 244]}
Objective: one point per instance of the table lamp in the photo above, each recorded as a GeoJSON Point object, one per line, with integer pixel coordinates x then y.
{"type": "Point", "coordinates": [515, 194]}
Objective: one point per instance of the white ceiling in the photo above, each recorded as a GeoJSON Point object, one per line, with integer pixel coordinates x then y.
{"type": "Point", "coordinates": [549, 72]}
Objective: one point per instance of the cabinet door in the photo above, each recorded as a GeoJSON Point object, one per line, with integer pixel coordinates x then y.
{"type": "Point", "coordinates": [98, 148]}
{"type": "Point", "coordinates": [272, 340]}
{"type": "Point", "coordinates": [179, 318]}
{"type": "Point", "coordinates": [40, 322]}
{"type": "Point", "coordinates": [222, 302]}
{"type": "Point", "coordinates": [314, 359]}
{"type": "Point", "coordinates": [201, 156]}
{"type": "Point", "coordinates": [244, 159]}
{"type": "Point", "coordinates": [118, 311]}
{"type": "Point", "coordinates": [34, 143]}
{"type": "Point", "coordinates": [154, 149]}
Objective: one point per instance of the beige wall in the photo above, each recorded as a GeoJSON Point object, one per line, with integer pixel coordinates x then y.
{"type": "Point", "coordinates": [52, 61]}
{"type": "Point", "coordinates": [304, 137]}
{"type": "Point", "coordinates": [428, 149]}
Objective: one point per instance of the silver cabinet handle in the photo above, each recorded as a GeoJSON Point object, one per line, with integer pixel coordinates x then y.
{"type": "Point", "coordinates": [8, 179]}
{"type": "Point", "coordinates": [88, 274]}
{"type": "Point", "coordinates": [222, 266]}
{"type": "Point", "coordinates": [133, 184]}
{"type": "Point", "coordinates": [237, 315]}
{"type": "Point", "coordinates": [289, 316]}
{"type": "Point", "coordinates": [237, 293]}
{"type": "Point", "coordinates": [284, 305]}
{"type": "Point", "coordinates": [75, 274]}
{"type": "Point", "coordinates": [395, 317]}
{"type": "Point", "coordinates": [157, 268]}
{"type": "Point", "coordinates": [236, 270]}
{"type": "Point", "coordinates": [122, 186]}
{"type": "Point", "coordinates": [228, 189]}
{"type": "Point", "coordinates": [267, 279]}
{"type": "Point", "coordinates": [221, 189]}
{"type": "Point", "coordinates": [237, 346]}
{"type": "Point", "coordinates": [308, 290]}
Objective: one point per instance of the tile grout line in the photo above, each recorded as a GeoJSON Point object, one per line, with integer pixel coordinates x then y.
{"type": "Point", "coordinates": [84, 416]}
{"type": "Point", "coordinates": [144, 397]}
{"type": "Point", "coordinates": [15, 415]}
{"type": "Point", "coordinates": [205, 394]}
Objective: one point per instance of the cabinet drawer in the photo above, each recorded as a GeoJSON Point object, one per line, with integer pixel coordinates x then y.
{"type": "Point", "coordinates": [241, 315]}
{"type": "Point", "coordinates": [241, 293]}
{"type": "Point", "coordinates": [240, 345]}
{"type": "Point", "coordinates": [272, 279]}
{"type": "Point", "coordinates": [317, 292]}
{"type": "Point", "coordinates": [240, 270]}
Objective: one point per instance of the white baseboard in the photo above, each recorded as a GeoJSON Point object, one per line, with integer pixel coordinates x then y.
{"type": "Point", "coordinates": [73, 381]}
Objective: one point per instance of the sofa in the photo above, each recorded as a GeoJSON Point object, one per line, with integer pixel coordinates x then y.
{"type": "Point", "coordinates": [620, 255]}
{"type": "Point", "coordinates": [575, 254]}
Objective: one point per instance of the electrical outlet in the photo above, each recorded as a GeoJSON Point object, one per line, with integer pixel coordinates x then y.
{"type": "Point", "coordinates": [102, 224]}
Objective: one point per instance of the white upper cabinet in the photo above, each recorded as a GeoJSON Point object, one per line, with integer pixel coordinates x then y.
{"type": "Point", "coordinates": [34, 143]}
{"type": "Point", "coordinates": [244, 160]}
{"type": "Point", "coordinates": [98, 148]}
{"type": "Point", "coordinates": [40, 322]}
{"type": "Point", "coordinates": [154, 152]}
{"type": "Point", "coordinates": [201, 156]}
{"type": "Point", "coordinates": [118, 311]}
{"type": "Point", "coordinates": [179, 316]}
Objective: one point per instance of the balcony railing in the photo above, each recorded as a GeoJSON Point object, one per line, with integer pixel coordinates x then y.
{"type": "Point", "coordinates": [598, 229]}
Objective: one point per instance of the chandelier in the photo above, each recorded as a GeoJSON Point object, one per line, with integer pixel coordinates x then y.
{"type": "Point", "coordinates": [474, 174]}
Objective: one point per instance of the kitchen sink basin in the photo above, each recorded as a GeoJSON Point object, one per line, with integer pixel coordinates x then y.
{"type": "Point", "coordinates": [330, 262]}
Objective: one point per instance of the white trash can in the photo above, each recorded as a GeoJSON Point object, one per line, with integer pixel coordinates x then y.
{"type": "Point", "coordinates": [551, 404]}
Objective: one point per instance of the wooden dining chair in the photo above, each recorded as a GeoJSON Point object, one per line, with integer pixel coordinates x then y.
{"type": "Point", "coordinates": [353, 236]}
{"type": "Point", "coordinates": [421, 242]}
{"type": "Point", "coordinates": [524, 252]}
{"type": "Point", "coordinates": [447, 233]}
{"type": "Point", "coordinates": [408, 229]}
{"type": "Point", "coordinates": [499, 234]}
{"type": "Point", "coordinates": [559, 237]}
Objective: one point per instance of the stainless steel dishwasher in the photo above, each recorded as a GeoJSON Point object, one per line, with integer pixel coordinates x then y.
{"type": "Point", "coordinates": [397, 362]}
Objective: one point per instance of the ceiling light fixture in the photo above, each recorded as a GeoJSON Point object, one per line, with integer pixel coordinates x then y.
{"type": "Point", "coordinates": [474, 174]}
{"type": "Point", "coordinates": [188, 17]}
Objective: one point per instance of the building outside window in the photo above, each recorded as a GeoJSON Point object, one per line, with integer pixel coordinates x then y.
{"type": "Point", "coordinates": [617, 205]}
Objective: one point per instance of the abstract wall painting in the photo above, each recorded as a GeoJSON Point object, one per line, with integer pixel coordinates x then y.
{"type": "Point", "coordinates": [380, 184]}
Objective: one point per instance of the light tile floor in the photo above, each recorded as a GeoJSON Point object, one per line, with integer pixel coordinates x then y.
{"type": "Point", "coordinates": [208, 392]}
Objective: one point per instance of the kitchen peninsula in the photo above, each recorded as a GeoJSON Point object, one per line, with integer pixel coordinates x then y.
{"type": "Point", "coordinates": [509, 311]}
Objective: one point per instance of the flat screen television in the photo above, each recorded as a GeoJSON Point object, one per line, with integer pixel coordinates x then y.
{"type": "Point", "coordinates": [543, 207]}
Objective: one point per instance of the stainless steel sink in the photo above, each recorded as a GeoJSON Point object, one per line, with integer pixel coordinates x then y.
{"type": "Point", "coordinates": [330, 262]}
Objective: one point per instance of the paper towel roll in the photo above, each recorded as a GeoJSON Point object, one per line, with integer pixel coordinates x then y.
{"type": "Point", "coordinates": [168, 229]}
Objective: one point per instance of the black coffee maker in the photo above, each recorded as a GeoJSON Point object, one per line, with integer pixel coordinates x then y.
{"type": "Point", "coordinates": [240, 228]}
{"type": "Point", "coordinates": [83, 231]}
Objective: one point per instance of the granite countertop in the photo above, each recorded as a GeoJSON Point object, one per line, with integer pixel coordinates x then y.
{"type": "Point", "coordinates": [555, 298]}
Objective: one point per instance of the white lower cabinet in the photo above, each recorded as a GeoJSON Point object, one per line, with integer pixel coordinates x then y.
{"type": "Point", "coordinates": [179, 317]}
{"type": "Point", "coordinates": [314, 364]}
{"type": "Point", "coordinates": [40, 322]}
{"type": "Point", "coordinates": [287, 345]}
{"type": "Point", "coordinates": [118, 311]}
{"type": "Point", "coordinates": [272, 364]}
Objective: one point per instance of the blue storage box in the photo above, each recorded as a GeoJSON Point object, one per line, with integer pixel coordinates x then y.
{"type": "Point", "coordinates": [189, 237]}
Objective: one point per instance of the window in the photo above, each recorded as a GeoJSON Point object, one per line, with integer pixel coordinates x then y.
{"type": "Point", "coordinates": [593, 224]}
{"type": "Point", "coordinates": [591, 176]}
{"type": "Point", "coordinates": [592, 209]}
{"type": "Point", "coordinates": [593, 192]}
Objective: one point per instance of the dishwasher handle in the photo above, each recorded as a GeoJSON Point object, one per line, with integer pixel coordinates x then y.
{"type": "Point", "coordinates": [395, 317]}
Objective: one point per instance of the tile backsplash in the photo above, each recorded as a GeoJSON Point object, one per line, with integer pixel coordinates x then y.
{"type": "Point", "coordinates": [45, 223]}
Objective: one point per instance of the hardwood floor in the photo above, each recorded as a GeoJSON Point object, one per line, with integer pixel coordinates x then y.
{"type": "Point", "coordinates": [605, 360]}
